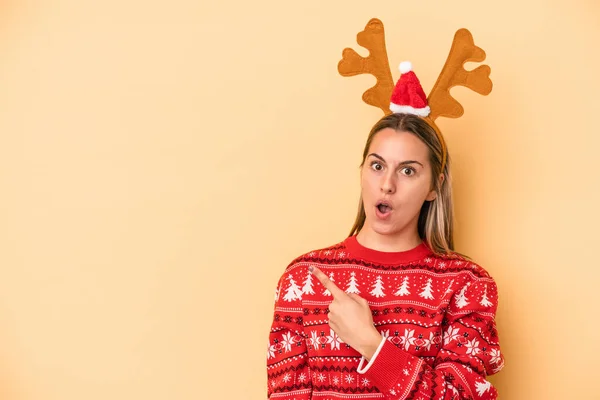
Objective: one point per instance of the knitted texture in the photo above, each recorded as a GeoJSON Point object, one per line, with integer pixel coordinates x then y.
{"type": "Point", "coordinates": [436, 316]}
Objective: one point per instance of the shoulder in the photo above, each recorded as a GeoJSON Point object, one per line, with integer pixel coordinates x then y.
{"type": "Point", "coordinates": [457, 263]}
{"type": "Point", "coordinates": [296, 270]}
{"type": "Point", "coordinates": [298, 266]}
{"type": "Point", "coordinates": [320, 255]}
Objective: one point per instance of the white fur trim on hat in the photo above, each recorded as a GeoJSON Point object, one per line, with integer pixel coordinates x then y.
{"type": "Point", "coordinates": [421, 112]}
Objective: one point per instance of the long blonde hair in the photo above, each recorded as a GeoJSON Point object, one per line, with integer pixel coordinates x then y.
{"type": "Point", "coordinates": [436, 218]}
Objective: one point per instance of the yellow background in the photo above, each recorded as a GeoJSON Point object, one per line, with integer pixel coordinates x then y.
{"type": "Point", "coordinates": [162, 162]}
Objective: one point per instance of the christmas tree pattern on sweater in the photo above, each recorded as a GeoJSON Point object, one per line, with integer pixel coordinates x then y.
{"type": "Point", "coordinates": [436, 316]}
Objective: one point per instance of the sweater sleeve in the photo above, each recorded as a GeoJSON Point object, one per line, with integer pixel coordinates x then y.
{"type": "Point", "coordinates": [287, 356]}
{"type": "Point", "coordinates": [469, 352]}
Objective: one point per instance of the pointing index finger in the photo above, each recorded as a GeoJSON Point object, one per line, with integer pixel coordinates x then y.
{"type": "Point", "coordinates": [325, 281]}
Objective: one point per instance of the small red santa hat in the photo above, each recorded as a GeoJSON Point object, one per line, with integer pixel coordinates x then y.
{"type": "Point", "coordinates": [408, 96]}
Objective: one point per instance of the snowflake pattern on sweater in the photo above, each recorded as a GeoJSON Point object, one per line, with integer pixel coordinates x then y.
{"type": "Point", "coordinates": [436, 315]}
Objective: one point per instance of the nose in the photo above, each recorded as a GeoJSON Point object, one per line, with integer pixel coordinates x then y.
{"type": "Point", "coordinates": [388, 185]}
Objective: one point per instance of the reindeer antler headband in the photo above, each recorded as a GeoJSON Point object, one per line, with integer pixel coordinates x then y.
{"type": "Point", "coordinates": [407, 96]}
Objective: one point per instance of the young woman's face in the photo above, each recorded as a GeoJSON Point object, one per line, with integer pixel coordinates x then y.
{"type": "Point", "coordinates": [395, 182]}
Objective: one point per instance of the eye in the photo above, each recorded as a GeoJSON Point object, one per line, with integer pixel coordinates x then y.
{"type": "Point", "coordinates": [376, 166]}
{"type": "Point", "coordinates": [408, 171]}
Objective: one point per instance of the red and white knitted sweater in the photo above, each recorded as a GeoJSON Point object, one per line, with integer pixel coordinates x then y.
{"type": "Point", "coordinates": [435, 314]}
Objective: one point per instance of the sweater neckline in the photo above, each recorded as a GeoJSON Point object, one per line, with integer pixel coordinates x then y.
{"type": "Point", "coordinates": [386, 257]}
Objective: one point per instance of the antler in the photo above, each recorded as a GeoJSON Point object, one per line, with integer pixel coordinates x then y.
{"type": "Point", "coordinates": [453, 74]}
{"type": "Point", "coordinates": [373, 39]}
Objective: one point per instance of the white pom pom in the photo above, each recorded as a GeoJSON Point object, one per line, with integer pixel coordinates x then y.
{"type": "Point", "coordinates": [405, 66]}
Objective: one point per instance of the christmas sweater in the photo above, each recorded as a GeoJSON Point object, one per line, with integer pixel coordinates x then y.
{"type": "Point", "coordinates": [436, 316]}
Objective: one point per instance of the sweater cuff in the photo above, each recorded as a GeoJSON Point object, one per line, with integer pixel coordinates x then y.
{"type": "Point", "coordinates": [360, 368]}
{"type": "Point", "coordinates": [389, 365]}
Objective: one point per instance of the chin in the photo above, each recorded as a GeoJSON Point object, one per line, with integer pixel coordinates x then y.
{"type": "Point", "coordinates": [383, 229]}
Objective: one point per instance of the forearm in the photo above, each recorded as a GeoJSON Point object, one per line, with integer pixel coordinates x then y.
{"type": "Point", "coordinates": [289, 378]}
{"type": "Point", "coordinates": [398, 375]}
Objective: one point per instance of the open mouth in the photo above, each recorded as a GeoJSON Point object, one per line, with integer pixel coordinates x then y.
{"type": "Point", "coordinates": [383, 207]}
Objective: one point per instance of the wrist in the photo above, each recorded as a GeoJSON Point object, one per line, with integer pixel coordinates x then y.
{"type": "Point", "coordinates": [371, 345]}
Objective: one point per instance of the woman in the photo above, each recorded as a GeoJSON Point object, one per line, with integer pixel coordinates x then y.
{"type": "Point", "coordinates": [392, 311]}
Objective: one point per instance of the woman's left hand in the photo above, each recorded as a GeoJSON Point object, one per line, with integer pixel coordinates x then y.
{"type": "Point", "coordinates": [350, 317]}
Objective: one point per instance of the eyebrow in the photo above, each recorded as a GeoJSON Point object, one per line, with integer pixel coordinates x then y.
{"type": "Point", "coordinates": [402, 163]}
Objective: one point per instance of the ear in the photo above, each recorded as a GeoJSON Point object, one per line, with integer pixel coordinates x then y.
{"type": "Point", "coordinates": [433, 193]}
{"type": "Point", "coordinates": [431, 196]}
